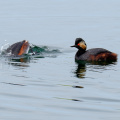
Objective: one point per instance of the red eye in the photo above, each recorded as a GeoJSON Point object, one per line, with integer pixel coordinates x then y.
{"type": "Point", "coordinates": [78, 44]}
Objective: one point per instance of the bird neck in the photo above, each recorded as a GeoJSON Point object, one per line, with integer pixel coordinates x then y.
{"type": "Point", "coordinates": [80, 52]}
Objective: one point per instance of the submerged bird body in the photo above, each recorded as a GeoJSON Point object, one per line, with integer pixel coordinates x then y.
{"type": "Point", "coordinates": [19, 48]}
{"type": "Point", "coordinates": [95, 54]}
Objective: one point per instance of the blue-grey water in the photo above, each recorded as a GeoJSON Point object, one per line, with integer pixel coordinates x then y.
{"type": "Point", "coordinates": [55, 87]}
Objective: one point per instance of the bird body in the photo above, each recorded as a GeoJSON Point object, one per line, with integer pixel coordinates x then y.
{"type": "Point", "coordinates": [19, 48]}
{"type": "Point", "coordinates": [94, 54]}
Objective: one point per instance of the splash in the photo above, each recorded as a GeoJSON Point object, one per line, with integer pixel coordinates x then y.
{"type": "Point", "coordinates": [43, 51]}
{"type": "Point", "coordinates": [34, 52]}
{"type": "Point", "coordinates": [4, 47]}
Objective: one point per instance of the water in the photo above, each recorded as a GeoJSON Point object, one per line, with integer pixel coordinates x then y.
{"type": "Point", "coordinates": [54, 86]}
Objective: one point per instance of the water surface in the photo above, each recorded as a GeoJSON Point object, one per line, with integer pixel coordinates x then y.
{"type": "Point", "coordinates": [54, 86]}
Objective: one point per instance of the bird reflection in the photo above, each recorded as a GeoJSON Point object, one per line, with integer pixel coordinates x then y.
{"type": "Point", "coordinates": [81, 70]}
{"type": "Point", "coordinates": [82, 67]}
{"type": "Point", "coordinates": [25, 60]}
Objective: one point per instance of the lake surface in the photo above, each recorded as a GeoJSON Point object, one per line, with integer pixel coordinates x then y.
{"type": "Point", "coordinates": [55, 87]}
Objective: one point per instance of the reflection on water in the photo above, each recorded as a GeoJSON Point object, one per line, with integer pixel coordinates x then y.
{"type": "Point", "coordinates": [19, 64]}
{"type": "Point", "coordinates": [80, 71]}
{"type": "Point", "coordinates": [25, 60]}
{"type": "Point", "coordinates": [82, 67]}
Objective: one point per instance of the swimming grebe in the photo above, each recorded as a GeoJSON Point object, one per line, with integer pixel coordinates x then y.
{"type": "Point", "coordinates": [95, 54]}
{"type": "Point", "coordinates": [19, 48]}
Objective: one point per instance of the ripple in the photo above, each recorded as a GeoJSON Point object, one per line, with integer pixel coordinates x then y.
{"type": "Point", "coordinates": [68, 99]}
{"type": "Point", "coordinates": [19, 96]}
{"type": "Point", "coordinates": [13, 84]}
{"type": "Point", "coordinates": [101, 99]}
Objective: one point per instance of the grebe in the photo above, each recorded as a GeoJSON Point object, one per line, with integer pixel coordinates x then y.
{"type": "Point", "coordinates": [95, 54]}
{"type": "Point", "coordinates": [19, 48]}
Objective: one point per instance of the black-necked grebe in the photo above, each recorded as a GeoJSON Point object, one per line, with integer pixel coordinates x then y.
{"type": "Point", "coordinates": [95, 54]}
{"type": "Point", "coordinates": [19, 48]}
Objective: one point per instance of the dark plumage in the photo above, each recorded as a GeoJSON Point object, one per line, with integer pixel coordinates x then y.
{"type": "Point", "coordinates": [19, 48]}
{"type": "Point", "coordinates": [95, 54]}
